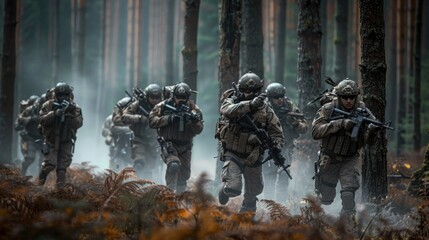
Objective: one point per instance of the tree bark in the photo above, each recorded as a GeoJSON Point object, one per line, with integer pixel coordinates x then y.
{"type": "Point", "coordinates": [54, 34]}
{"type": "Point", "coordinates": [373, 70]}
{"type": "Point", "coordinates": [417, 136]}
{"type": "Point", "coordinates": [324, 30]}
{"type": "Point", "coordinates": [280, 41]}
{"type": "Point", "coordinates": [309, 59]}
{"type": "Point", "coordinates": [144, 42]}
{"type": "Point", "coordinates": [229, 52]}
{"type": "Point", "coordinates": [170, 45]}
{"type": "Point", "coordinates": [190, 51]}
{"type": "Point", "coordinates": [340, 40]}
{"type": "Point", "coordinates": [251, 46]}
{"type": "Point", "coordinates": [392, 109]}
{"type": "Point", "coordinates": [401, 99]}
{"type": "Point", "coordinates": [7, 88]}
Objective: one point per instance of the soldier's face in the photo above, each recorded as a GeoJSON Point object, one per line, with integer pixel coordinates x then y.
{"type": "Point", "coordinates": [348, 102]}
{"type": "Point", "coordinates": [155, 99]}
{"type": "Point", "coordinates": [277, 101]}
{"type": "Point", "coordinates": [179, 100]}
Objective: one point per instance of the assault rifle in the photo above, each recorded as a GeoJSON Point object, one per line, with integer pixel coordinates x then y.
{"type": "Point", "coordinates": [268, 144]}
{"type": "Point", "coordinates": [360, 117]}
{"type": "Point", "coordinates": [140, 99]}
{"type": "Point", "coordinates": [184, 112]}
{"type": "Point", "coordinates": [326, 92]}
{"type": "Point", "coordinates": [285, 112]}
{"type": "Point", "coordinates": [63, 105]}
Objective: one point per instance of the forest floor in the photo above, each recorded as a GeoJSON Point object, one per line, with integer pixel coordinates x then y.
{"type": "Point", "coordinates": [120, 206]}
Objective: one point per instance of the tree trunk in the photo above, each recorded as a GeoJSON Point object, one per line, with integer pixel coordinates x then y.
{"type": "Point", "coordinates": [229, 49]}
{"type": "Point", "coordinates": [309, 59]}
{"type": "Point", "coordinates": [391, 74]}
{"type": "Point", "coordinates": [189, 52]}
{"type": "Point", "coordinates": [340, 40]}
{"type": "Point", "coordinates": [144, 42]}
{"type": "Point", "coordinates": [54, 34]}
{"type": "Point", "coordinates": [417, 77]}
{"type": "Point", "coordinates": [280, 41]}
{"type": "Point", "coordinates": [7, 88]}
{"type": "Point", "coordinates": [401, 79]}
{"type": "Point", "coordinates": [170, 45]}
{"type": "Point", "coordinates": [251, 46]}
{"type": "Point", "coordinates": [373, 70]}
{"type": "Point", "coordinates": [410, 61]}
{"type": "Point", "coordinates": [324, 29]}
{"type": "Point", "coordinates": [129, 45]}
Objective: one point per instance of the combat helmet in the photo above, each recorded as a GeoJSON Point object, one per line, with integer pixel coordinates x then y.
{"type": "Point", "coordinates": [32, 99]}
{"type": "Point", "coordinates": [62, 90]}
{"type": "Point", "coordinates": [275, 90]}
{"type": "Point", "coordinates": [153, 91]}
{"type": "Point", "coordinates": [250, 82]}
{"type": "Point", "coordinates": [347, 87]}
{"type": "Point", "coordinates": [182, 91]}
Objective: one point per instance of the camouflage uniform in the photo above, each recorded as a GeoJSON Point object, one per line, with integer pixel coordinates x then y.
{"type": "Point", "coordinates": [339, 154]}
{"type": "Point", "coordinates": [241, 149]}
{"type": "Point", "coordinates": [60, 136]}
{"type": "Point", "coordinates": [292, 128]}
{"type": "Point", "coordinates": [144, 147]}
{"type": "Point", "coordinates": [27, 123]}
{"type": "Point", "coordinates": [178, 144]}
{"type": "Point", "coordinates": [118, 138]}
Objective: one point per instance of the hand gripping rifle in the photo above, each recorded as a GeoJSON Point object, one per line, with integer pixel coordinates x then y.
{"type": "Point", "coordinates": [63, 105]}
{"type": "Point", "coordinates": [145, 113]}
{"type": "Point", "coordinates": [360, 117]}
{"type": "Point", "coordinates": [183, 111]}
{"type": "Point", "coordinates": [268, 144]}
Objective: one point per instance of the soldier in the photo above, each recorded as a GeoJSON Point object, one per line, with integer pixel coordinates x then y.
{"type": "Point", "coordinates": [118, 137]}
{"type": "Point", "coordinates": [241, 149]}
{"type": "Point", "coordinates": [178, 120]}
{"type": "Point", "coordinates": [293, 124]}
{"type": "Point", "coordinates": [27, 125]}
{"type": "Point", "coordinates": [60, 118]}
{"type": "Point", "coordinates": [144, 152]}
{"type": "Point", "coordinates": [339, 153]}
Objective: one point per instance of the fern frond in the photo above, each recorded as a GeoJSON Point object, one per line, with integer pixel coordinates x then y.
{"type": "Point", "coordinates": [277, 211]}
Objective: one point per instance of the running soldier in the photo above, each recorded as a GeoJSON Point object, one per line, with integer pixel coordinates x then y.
{"type": "Point", "coordinates": [293, 124]}
{"type": "Point", "coordinates": [241, 148]}
{"type": "Point", "coordinates": [59, 118]}
{"type": "Point", "coordinates": [144, 149]}
{"type": "Point", "coordinates": [178, 120]}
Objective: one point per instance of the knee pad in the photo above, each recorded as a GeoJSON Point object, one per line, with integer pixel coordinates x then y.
{"type": "Point", "coordinates": [173, 167]}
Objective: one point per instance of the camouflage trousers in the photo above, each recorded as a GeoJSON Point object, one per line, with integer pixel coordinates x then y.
{"type": "Point", "coordinates": [146, 158]}
{"type": "Point", "coordinates": [30, 151]}
{"type": "Point", "coordinates": [59, 159]}
{"type": "Point", "coordinates": [347, 172]}
{"type": "Point", "coordinates": [176, 177]}
{"type": "Point", "coordinates": [276, 180]}
{"type": "Point", "coordinates": [233, 171]}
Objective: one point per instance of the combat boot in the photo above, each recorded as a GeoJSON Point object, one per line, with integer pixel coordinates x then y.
{"type": "Point", "coordinates": [223, 198]}
{"type": "Point", "coordinates": [61, 179]}
{"type": "Point", "coordinates": [249, 205]}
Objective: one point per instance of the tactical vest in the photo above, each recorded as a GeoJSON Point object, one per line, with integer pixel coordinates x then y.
{"type": "Point", "coordinates": [240, 138]}
{"type": "Point", "coordinates": [289, 132]}
{"type": "Point", "coordinates": [171, 132]}
{"type": "Point", "coordinates": [340, 143]}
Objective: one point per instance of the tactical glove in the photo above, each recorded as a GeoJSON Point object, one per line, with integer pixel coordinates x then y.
{"type": "Point", "coordinates": [258, 101]}
{"type": "Point", "coordinates": [348, 124]}
{"type": "Point", "coordinates": [59, 112]}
